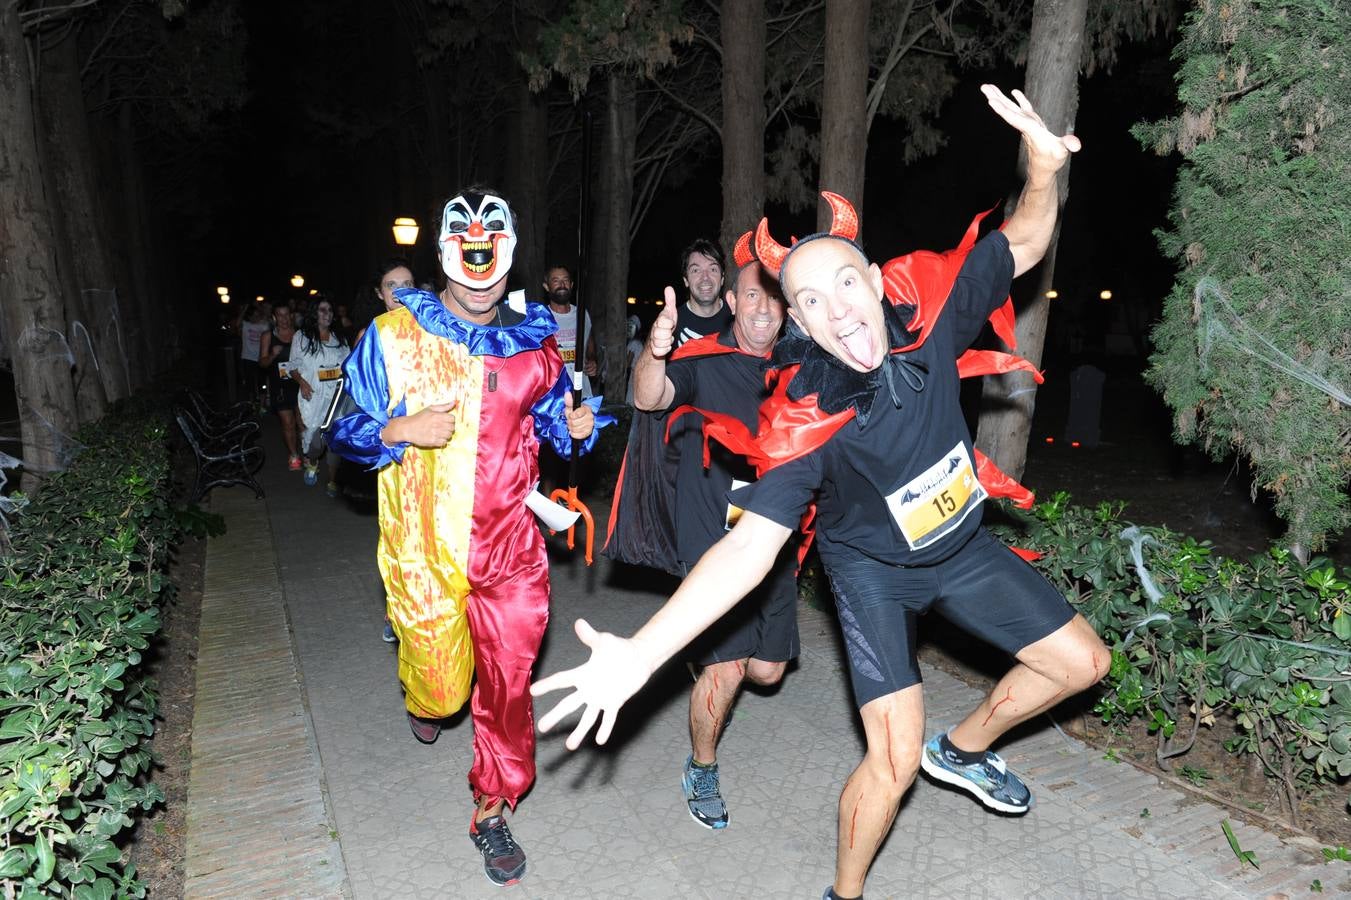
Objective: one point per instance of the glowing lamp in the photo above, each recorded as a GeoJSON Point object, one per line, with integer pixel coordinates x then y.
{"type": "Point", "coordinates": [1050, 440]}
{"type": "Point", "coordinates": [224, 298]}
{"type": "Point", "coordinates": [405, 231]}
{"type": "Point", "coordinates": [222, 290]}
{"type": "Point", "coordinates": [1105, 295]}
{"type": "Point", "coordinates": [258, 299]}
{"type": "Point", "coordinates": [1074, 443]}
{"type": "Point", "coordinates": [314, 292]}
{"type": "Point", "coordinates": [661, 302]}
{"type": "Point", "coordinates": [297, 281]}
{"type": "Point", "coordinates": [1052, 294]}
{"type": "Point", "coordinates": [632, 301]}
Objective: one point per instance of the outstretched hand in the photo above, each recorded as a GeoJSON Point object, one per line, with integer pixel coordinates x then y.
{"type": "Point", "coordinates": [1046, 152]}
{"type": "Point", "coordinates": [613, 674]}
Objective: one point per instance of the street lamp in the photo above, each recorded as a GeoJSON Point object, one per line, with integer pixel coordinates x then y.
{"type": "Point", "coordinates": [297, 281]}
{"type": "Point", "coordinates": [314, 292]}
{"type": "Point", "coordinates": [224, 298]}
{"type": "Point", "coordinates": [222, 291]}
{"type": "Point", "coordinates": [1052, 294]}
{"type": "Point", "coordinates": [258, 299]}
{"type": "Point", "coordinates": [405, 231]}
{"type": "Point", "coordinates": [1105, 295]}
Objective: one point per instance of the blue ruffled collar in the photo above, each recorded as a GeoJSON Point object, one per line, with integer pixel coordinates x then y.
{"type": "Point", "coordinates": [481, 340]}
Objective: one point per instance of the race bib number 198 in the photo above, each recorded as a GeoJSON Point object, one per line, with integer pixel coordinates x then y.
{"type": "Point", "coordinates": [938, 500]}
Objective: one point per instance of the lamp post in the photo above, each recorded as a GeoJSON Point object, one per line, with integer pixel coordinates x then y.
{"type": "Point", "coordinates": [297, 281]}
{"type": "Point", "coordinates": [405, 231]}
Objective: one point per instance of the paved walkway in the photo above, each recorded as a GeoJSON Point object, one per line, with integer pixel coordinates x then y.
{"type": "Point", "coordinates": [611, 822]}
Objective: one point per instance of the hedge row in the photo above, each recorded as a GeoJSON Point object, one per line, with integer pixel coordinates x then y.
{"type": "Point", "coordinates": [1196, 637]}
{"type": "Point", "coordinates": [78, 607]}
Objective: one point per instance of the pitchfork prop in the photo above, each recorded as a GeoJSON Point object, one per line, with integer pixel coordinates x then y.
{"type": "Point", "coordinates": [569, 497]}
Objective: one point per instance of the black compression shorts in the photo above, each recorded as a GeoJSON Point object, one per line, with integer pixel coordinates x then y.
{"type": "Point", "coordinates": [762, 626]}
{"type": "Point", "coordinates": [983, 589]}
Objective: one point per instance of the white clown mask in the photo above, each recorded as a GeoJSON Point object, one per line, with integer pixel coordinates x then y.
{"type": "Point", "coordinates": [477, 239]}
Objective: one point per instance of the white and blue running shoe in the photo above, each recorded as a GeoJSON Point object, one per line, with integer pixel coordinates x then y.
{"type": "Point", "coordinates": [703, 796]}
{"type": "Point", "coordinates": [989, 780]}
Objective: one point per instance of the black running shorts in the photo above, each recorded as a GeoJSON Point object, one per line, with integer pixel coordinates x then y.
{"type": "Point", "coordinates": [984, 589]}
{"type": "Point", "coordinates": [762, 626]}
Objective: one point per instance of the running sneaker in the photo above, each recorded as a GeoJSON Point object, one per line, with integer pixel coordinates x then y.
{"type": "Point", "coordinates": [702, 794]}
{"type": "Point", "coordinates": [388, 635]}
{"type": "Point", "coordinates": [503, 858]}
{"type": "Point", "coordinates": [311, 475]}
{"type": "Point", "coordinates": [293, 464]}
{"type": "Point", "coordinates": [989, 780]}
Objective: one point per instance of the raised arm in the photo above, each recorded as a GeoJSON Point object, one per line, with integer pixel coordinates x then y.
{"type": "Point", "coordinates": [651, 388]}
{"type": "Point", "coordinates": [1030, 227]}
{"type": "Point", "coordinates": [618, 667]}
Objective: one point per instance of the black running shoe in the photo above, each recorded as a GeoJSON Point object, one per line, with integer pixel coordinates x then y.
{"type": "Point", "coordinates": [503, 858]}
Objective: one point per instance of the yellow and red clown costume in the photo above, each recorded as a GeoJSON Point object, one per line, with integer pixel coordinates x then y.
{"type": "Point", "coordinates": [463, 562]}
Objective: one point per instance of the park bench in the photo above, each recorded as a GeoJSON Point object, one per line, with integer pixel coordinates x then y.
{"type": "Point", "coordinates": [225, 456]}
{"type": "Point", "coordinates": [217, 420]}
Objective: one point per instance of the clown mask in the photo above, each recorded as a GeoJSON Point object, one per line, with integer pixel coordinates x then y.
{"type": "Point", "coordinates": [477, 239]}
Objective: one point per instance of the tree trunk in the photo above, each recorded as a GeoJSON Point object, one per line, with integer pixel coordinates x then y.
{"type": "Point", "coordinates": [607, 273]}
{"type": "Point", "coordinates": [844, 105]}
{"type": "Point", "coordinates": [54, 159]}
{"type": "Point", "coordinates": [81, 216]}
{"type": "Point", "coordinates": [1052, 83]}
{"type": "Point", "coordinates": [33, 318]}
{"type": "Point", "coordinates": [743, 118]}
{"type": "Point", "coordinates": [527, 185]}
{"type": "Point", "coordinates": [149, 344]}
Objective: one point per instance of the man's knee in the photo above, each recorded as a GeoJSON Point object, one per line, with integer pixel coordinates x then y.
{"type": "Point", "coordinates": [1074, 656]}
{"type": "Point", "coordinates": [894, 767]}
{"type": "Point", "coordinates": [765, 673]}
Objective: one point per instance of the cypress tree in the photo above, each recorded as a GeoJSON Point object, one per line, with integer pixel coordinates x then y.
{"type": "Point", "coordinates": [1253, 353]}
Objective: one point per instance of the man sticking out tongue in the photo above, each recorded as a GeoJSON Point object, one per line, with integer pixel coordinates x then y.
{"type": "Point", "coordinates": [873, 434]}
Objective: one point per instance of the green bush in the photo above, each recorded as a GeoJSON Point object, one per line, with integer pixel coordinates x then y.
{"type": "Point", "coordinates": [79, 601]}
{"type": "Point", "coordinates": [1196, 636]}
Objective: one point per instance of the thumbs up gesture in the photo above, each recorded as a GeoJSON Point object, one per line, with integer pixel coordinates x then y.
{"type": "Point", "coordinates": [662, 337]}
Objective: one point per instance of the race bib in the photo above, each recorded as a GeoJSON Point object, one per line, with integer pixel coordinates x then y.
{"type": "Point", "coordinates": [733, 511]}
{"type": "Point", "coordinates": [934, 503]}
{"type": "Point", "coordinates": [330, 374]}
{"type": "Point", "coordinates": [568, 353]}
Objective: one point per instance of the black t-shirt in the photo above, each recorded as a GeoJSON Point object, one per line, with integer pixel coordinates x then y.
{"type": "Point", "coordinates": [729, 383]}
{"type": "Point", "coordinates": [689, 326]}
{"type": "Point", "coordinates": [901, 488]}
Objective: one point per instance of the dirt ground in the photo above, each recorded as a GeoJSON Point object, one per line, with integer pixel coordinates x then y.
{"type": "Point", "coordinates": [159, 844]}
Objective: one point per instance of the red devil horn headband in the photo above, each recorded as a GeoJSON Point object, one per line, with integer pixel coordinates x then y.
{"type": "Point", "coordinates": [742, 254]}
{"type": "Point", "coordinates": [843, 219]}
{"type": "Point", "coordinates": [769, 251]}
{"type": "Point", "coordinates": [843, 224]}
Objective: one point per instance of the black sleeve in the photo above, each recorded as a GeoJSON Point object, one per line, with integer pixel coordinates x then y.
{"type": "Point", "coordinates": [783, 494]}
{"type": "Point", "coordinates": [682, 376]}
{"type": "Point", "coordinates": [982, 286]}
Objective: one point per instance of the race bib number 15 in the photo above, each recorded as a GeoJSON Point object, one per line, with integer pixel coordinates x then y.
{"type": "Point", "coordinates": [933, 504]}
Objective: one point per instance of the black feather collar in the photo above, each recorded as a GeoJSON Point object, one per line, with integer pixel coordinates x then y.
{"type": "Point", "coordinates": [838, 387]}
